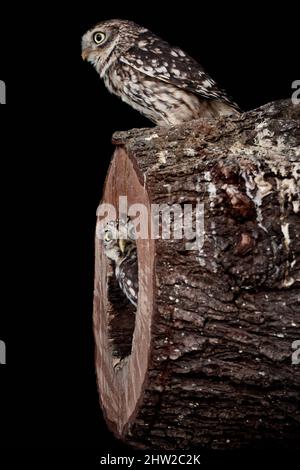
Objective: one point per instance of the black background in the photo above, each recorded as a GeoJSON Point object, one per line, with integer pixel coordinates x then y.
{"type": "Point", "coordinates": [55, 151]}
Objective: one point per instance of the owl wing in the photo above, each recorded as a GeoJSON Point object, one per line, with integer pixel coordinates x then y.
{"type": "Point", "coordinates": [157, 59]}
{"type": "Point", "coordinates": [127, 276]}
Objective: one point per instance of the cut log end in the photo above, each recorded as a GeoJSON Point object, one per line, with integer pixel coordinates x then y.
{"type": "Point", "coordinates": [206, 359]}
{"type": "Point", "coordinates": [122, 335]}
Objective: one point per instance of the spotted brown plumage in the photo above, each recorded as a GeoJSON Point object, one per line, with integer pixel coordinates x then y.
{"type": "Point", "coordinates": [120, 247]}
{"type": "Point", "coordinates": [127, 273]}
{"type": "Point", "coordinates": [160, 81]}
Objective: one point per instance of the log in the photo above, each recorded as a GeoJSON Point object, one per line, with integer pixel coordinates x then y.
{"type": "Point", "coordinates": [206, 360]}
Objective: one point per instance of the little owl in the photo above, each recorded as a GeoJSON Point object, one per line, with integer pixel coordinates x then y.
{"type": "Point", "coordinates": [120, 247]}
{"type": "Point", "coordinates": [160, 81]}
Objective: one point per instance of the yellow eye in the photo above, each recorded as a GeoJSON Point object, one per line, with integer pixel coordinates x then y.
{"type": "Point", "coordinates": [99, 37]}
{"type": "Point", "coordinates": [108, 236]}
{"type": "Point", "coordinates": [131, 233]}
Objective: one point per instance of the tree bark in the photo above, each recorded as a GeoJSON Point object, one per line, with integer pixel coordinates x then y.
{"type": "Point", "coordinates": [207, 359]}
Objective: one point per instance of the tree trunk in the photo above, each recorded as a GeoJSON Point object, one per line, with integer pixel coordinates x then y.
{"type": "Point", "coordinates": [207, 360]}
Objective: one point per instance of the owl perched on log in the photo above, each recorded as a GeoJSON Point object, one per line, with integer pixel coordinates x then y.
{"type": "Point", "coordinates": [160, 81]}
{"type": "Point", "coordinates": [120, 247]}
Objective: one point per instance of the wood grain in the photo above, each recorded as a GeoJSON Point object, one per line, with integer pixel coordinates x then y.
{"type": "Point", "coordinates": [206, 360]}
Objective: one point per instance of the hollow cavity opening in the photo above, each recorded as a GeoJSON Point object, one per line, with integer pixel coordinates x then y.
{"type": "Point", "coordinates": [120, 249]}
{"type": "Point", "coordinates": [121, 319]}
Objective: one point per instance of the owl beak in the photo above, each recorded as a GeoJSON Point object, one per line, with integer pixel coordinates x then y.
{"type": "Point", "coordinates": [85, 54]}
{"type": "Point", "coordinates": [122, 244]}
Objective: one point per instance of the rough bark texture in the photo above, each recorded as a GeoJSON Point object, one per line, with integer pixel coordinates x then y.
{"type": "Point", "coordinates": [210, 360]}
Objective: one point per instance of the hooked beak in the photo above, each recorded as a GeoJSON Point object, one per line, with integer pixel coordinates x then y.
{"type": "Point", "coordinates": [85, 53]}
{"type": "Point", "coordinates": [122, 244]}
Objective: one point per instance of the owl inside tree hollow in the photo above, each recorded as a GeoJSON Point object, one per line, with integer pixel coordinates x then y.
{"type": "Point", "coordinates": [120, 247]}
{"type": "Point", "coordinates": [162, 82]}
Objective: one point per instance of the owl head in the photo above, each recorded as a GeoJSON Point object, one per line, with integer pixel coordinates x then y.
{"type": "Point", "coordinates": [119, 239]}
{"type": "Point", "coordinates": [102, 44]}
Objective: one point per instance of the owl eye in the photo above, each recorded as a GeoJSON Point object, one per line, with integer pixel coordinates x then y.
{"type": "Point", "coordinates": [108, 236]}
{"type": "Point", "coordinates": [131, 233]}
{"type": "Point", "coordinates": [99, 37]}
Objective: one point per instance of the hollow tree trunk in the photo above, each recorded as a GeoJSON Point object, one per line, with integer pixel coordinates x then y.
{"type": "Point", "coordinates": [207, 358]}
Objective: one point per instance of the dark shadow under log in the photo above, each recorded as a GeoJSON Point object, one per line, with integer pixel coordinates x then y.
{"type": "Point", "coordinates": [207, 359]}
